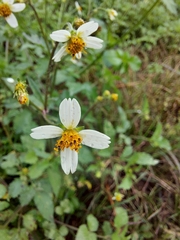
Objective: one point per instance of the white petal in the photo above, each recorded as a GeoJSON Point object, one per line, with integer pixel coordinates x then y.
{"type": "Point", "coordinates": [18, 7]}
{"type": "Point", "coordinates": [60, 35]}
{"type": "Point", "coordinates": [69, 160]}
{"type": "Point", "coordinates": [8, 1]}
{"type": "Point", "coordinates": [94, 139]}
{"type": "Point", "coordinates": [11, 19]}
{"type": "Point", "coordinates": [93, 42]}
{"type": "Point", "coordinates": [78, 55]}
{"type": "Point", "coordinates": [70, 113]}
{"type": "Point", "coordinates": [62, 52]}
{"type": "Point", "coordinates": [45, 132]}
{"type": "Point", "coordinates": [87, 29]}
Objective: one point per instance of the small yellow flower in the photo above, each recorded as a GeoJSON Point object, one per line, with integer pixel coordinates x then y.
{"type": "Point", "coordinates": [118, 197]}
{"type": "Point", "coordinates": [112, 14]}
{"type": "Point", "coordinates": [23, 98]}
{"type": "Point", "coordinates": [99, 98]}
{"type": "Point", "coordinates": [106, 93]}
{"type": "Point", "coordinates": [114, 97]}
{"type": "Point", "coordinates": [78, 22]}
{"type": "Point", "coordinates": [21, 93]}
{"type": "Point", "coordinates": [24, 171]}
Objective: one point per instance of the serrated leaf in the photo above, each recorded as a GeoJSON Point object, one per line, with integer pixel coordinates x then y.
{"type": "Point", "coordinates": [92, 223]}
{"type": "Point", "coordinates": [26, 195]}
{"type": "Point", "coordinates": [3, 205]}
{"type": "Point", "coordinates": [84, 234]}
{"type": "Point", "coordinates": [4, 234]}
{"type": "Point", "coordinates": [124, 122]}
{"type": "Point", "coordinates": [126, 183]}
{"type": "Point", "coordinates": [171, 6]}
{"type": "Point", "coordinates": [107, 229]}
{"type": "Point", "coordinates": [37, 169]}
{"type": "Point", "coordinates": [29, 222]}
{"type": "Point", "coordinates": [15, 188]}
{"type": "Point", "coordinates": [121, 217]}
{"type": "Point", "coordinates": [2, 190]}
{"type": "Point", "coordinates": [128, 150]}
{"type": "Point", "coordinates": [45, 205]}
{"type": "Point", "coordinates": [142, 158]}
{"type": "Point", "coordinates": [30, 158]}
{"type": "Point", "coordinates": [55, 178]}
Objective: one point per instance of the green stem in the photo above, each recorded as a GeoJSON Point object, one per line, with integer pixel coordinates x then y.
{"type": "Point", "coordinates": [88, 111]}
{"type": "Point", "coordinates": [50, 67]}
{"type": "Point", "coordinates": [40, 25]}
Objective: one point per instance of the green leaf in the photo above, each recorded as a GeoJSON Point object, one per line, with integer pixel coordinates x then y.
{"type": "Point", "coordinates": [126, 183]}
{"type": "Point", "coordinates": [142, 158]}
{"type": "Point", "coordinates": [121, 217]}
{"type": "Point", "coordinates": [92, 223]}
{"type": "Point", "coordinates": [3, 205]}
{"type": "Point", "coordinates": [37, 169]}
{"type": "Point", "coordinates": [26, 195]}
{"type": "Point", "coordinates": [30, 158]}
{"type": "Point", "coordinates": [111, 58]}
{"type": "Point", "coordinates": [63, 231]}
{"type": "Point", "coordinates": [171, 6]}
{"type": "Point", "coordinates": [157, 134]}
{"type": "Point", "coordinates": [124, 122]}
{"type": "Point", "coordinates": [85, 155]}
{"type": "Point", "coordinates": [4, 234]}
{"type": "Point", "coordinates": [128, 150]}
{"type": "Point", "coordinates": [107, 229]}
{"type": "Point", "coordinates": [84, 234]}
{"type": "Point", "coordinates": [10, 161]}
{"type": "Point", "coordinates": [35, 88]}
{"type": "Point", "coordinates": [29, 222]}
{"type": "Point", "coordinates": [15, 188]}
{"type": "Point", "coordinates": [75, 87]}
{"type": "Point", "coordinates": [55, 178]}
{"type": "Point", "coordinates": [157, 140]}
{"type": "Point", "coordinates": [2, 190]}
{"type": "Point", "coordinates": [45, 205]}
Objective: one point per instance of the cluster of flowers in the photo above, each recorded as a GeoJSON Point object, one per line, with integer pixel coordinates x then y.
{"type": "Point", "coordinates": [70, 137]}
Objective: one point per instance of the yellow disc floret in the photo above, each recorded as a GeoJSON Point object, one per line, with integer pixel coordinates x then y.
{"type": "Point", "coordinates": [69, 139]}
{"type": "Point", "coordinates": [5, 10]}
{"type": "Point", "coordinates": [23, 98]}
{"type": "Point", "coordinates": [75, 45]}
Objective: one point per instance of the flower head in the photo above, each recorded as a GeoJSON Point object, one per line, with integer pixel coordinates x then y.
{"type": "Point", "coordinates": [78, 7]}
{"type": "Point", "coordinates": [118, 197]}
{"type": "Point", "coordinates": [70, 137]}
{"type": "Point", "coordinates": [112, 14]}
{"type": "Point", "coordinates": [21, 93]}
{"type": "Point", "coordinates": [75, 41]}
{"type": "Point", "coordinates": [6, 10]}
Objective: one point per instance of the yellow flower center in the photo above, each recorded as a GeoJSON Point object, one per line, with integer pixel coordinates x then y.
{"type": "Point", "coordinates": [75, 45]}
{"type": "Point", "coordinates": [23, 98]}
{"type": "Point", "coordinates": [69, 139]}
{"type": "Point", "coordinates": [5, 10]}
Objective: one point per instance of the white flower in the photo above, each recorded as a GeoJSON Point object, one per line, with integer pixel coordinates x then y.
{"type": "Point", "coordinates": [6, 10]}
{"type": "Point", "coordinates": [70, 139]}
{"type": "Point", "coordinates": [75, 41]}
{"type": "Point", "coordinates": [112, 14]}
{"type": "Point", "coordinates": [78, 7]}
